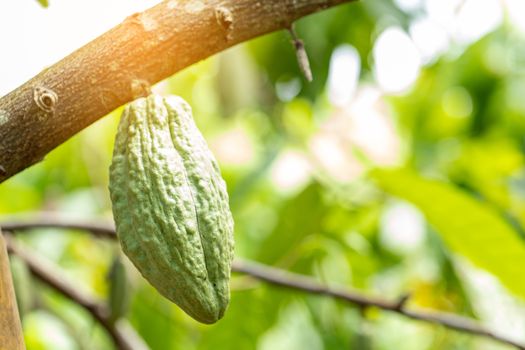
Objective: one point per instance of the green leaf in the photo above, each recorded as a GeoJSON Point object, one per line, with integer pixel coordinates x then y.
{"type": "Point", "coordinates": [467, 226]}
{"type": "Point", "coordinates": [44, 3]}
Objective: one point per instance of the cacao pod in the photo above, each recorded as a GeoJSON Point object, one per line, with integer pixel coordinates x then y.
{"type": "Point", "coordinates": [170, 206]}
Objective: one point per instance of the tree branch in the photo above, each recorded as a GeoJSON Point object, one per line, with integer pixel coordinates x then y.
{"type": "Point", "coordinates": [119, 66]}
{"type": "Point", "coordinates": [122, 334]}
{"type": "Point", "coordinates": [307, 284]}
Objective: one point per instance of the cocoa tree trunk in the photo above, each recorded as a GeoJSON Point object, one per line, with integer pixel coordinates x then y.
{"type": "Point", "coordinates": [11, 336]}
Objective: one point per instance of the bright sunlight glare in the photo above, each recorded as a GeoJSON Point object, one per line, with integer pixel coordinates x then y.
{"type": "Point", "coordinates": [429, 37]}
{"type": "Point", "coordinates": [343, 77]}
{"type": "Point", "coordinates": [40, 37]}
{"type": "Point", "coordinates": [516, 13]}
{"type": "Point", "coordinates": [402, 228]}
{"type": "Point", "coordinates": [397, 60]}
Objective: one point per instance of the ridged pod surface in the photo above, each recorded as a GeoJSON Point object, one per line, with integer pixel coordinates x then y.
{"type": "Point", "coordinates": [171, 206]}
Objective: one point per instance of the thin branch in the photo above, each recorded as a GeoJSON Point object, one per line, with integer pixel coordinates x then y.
{"type": "Point", "coordinates": [295, 281]}
{"type": "Point", "coordinates": [123, 335]}
{"type": "Point", "coordinates": [116, 67]}
{"type": "Point", "coordinates": [303, 283]}
{"type": "Point", "coordinates": [100, 230]}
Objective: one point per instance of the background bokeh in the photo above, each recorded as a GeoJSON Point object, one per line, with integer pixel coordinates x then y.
{"type": "Point", "coordinates": [436, 87]}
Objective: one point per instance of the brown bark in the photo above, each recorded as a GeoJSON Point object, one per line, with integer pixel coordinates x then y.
{"type": "Point", "coordinates": [11, 337]}
{"type": "Point", "coordinates": [118, 66]}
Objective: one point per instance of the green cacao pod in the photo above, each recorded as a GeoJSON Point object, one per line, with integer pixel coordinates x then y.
{"type": "Point", "coordinates": [171, 206]}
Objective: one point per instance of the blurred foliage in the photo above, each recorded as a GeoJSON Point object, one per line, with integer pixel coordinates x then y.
{"type": "Point", "coordinates": [43, 3]}
{"type": "Point", "coordinates": [467, 234]}
{"type": "Point", "coordinates": [304, 199]}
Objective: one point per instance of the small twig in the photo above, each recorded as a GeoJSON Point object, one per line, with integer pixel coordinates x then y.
{"type": "Point", "coordinates": [123, 336]}
{"type": "Point", "coordinates": [295, 281]}
{"type": "Point", "coordinates": [302, 56]}
{"type": "Point", "coordinates": [402, 301]}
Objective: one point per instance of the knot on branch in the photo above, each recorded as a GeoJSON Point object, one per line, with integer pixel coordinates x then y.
{"type": "Point", "coordinates": [401, 302]}
{"type": "Point", "coordinates": [46, 99]}
{"type": "Point", "coordinates": [140, 88]}
{"type": "Point", "coordinates": [224, 18]}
